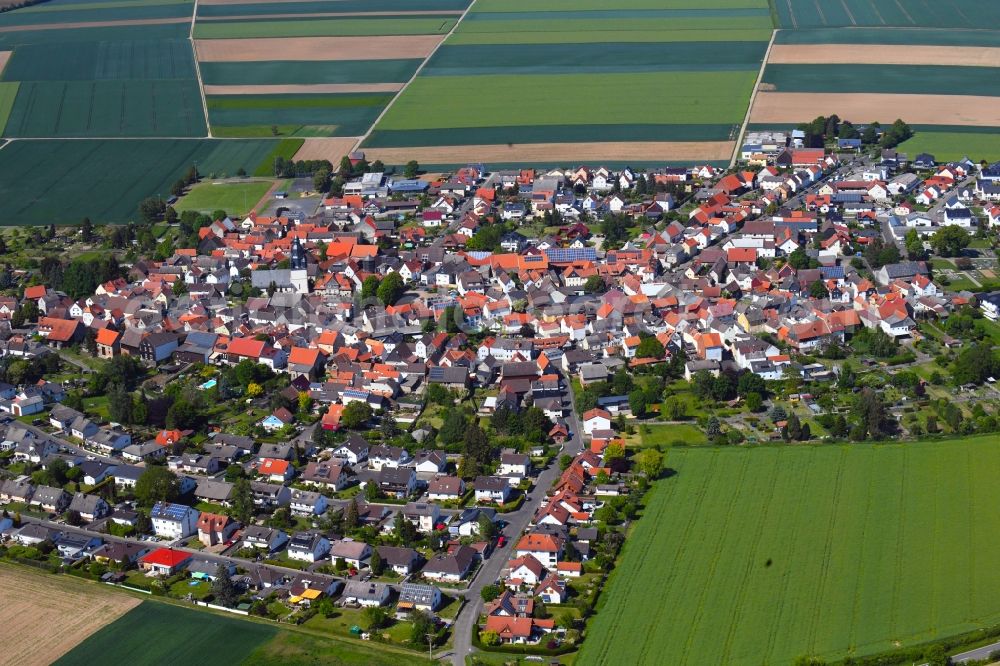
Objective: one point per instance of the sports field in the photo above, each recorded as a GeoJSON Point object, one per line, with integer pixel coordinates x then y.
{"type": "Point", "coordinates": [750, 556]}
{"type": "Point", "coordinates": [105, 180]}
{"type": "Point", "coordinates": [159, 633]}
{"type": "Point", "coordinates": [521, 75]}
{"type": "Point", "coordinates": [44, 616]}
{"type": "Point", "coordinates": [234, 198]}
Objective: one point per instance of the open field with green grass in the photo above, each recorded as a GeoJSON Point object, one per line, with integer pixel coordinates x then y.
{"type": "Point", "coordinates": [905, 36]}
{"type": "Point", "coordinates": [289, 648]}
{"type": "Point", "coordinates": [234, 198]}
{"type": "Point", "coordinates": [157, 633]}
{"type": "Point", "coordinates": [107, 179]}
{"type": "Point", "coordinates": [667, 434]}
{"type": "Point", "coordinates": [591, 5]}
{"type": "Point", "coordinates": [762, 555]}
{"type": "Point", "coordinates": [955, 145]}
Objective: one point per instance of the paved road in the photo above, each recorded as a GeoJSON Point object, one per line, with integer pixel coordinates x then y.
{"type": "Point", "coordinates": [466, 621]}
{"type": "Point", "coordinates": [979, 653]}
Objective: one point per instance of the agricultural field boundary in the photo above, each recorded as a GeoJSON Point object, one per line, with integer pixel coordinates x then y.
{"type": "Point", "coordinates": [419, 69]}
{"type": "Point", "coordinates": [197, 70]}
{"type": "Point", "coordinates": [753, 99]}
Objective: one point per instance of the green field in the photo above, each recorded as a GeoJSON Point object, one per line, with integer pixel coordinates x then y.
{"type": "Point", "coordinates": [339, 6]}
{"type": "Point", "coordinates": [918, 36]}
{"type": "Point", "coordinates": [158, 633]}
{"type": "Point", "coordinates": [304, 73]}
{"type": "Point", "coordinates": [611, 35]}
{"type": "Point", "coordinates": [900, 79]}
{"type": "Point", "coordinates": [345, 114]}
{"type": "Point", "coordinates": [130, 108]}
{"type": "Point", "coordinates": [112, 60]}
{"type": "Point", "coordinates": [888, 13]}
{"type": "Point", "coordinates": [105, 180]}
{"type": "Point", "coordinates": [762, 555]}
{"type": "Point", "coordinates": [955, 145]}
{"type": "Point", "coordinates": [289, 648]}
{"type": "Point", "coordinates": [597, 5]}
{"type": "Point", "coordinates": [567, 99]}
{"type": "Point", "coordinates": [234, 198]}
{"type": "Point", "coordinates": [8, 93]}
{"type": "Point", "coordinates": [339, 27]}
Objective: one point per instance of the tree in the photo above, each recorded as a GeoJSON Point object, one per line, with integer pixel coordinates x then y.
{"type": "Point", "coordinates": [87, 230]}
{"type": "Point", "coordinates": [376, 563]}
{"type": "Point", "coordinates": [873, 416]}
{"type": "Point", "coordinates": [489, 638]}
{"type": "Point", "coordinates": [453, 428]}
{"type": "Point", "coordinates": [754, 401]}
{"type": "Point", "coordinates": [350, 518]}
{"type": "Point", "coordinates": [489, 592]}
{"type": "Point", "coordinates": [650, 347]}
{"type": "Point", "coordinates": [120, 405]}
{"type": "Point", "coordinates": [915, 246]}
{"type": "Point", "coordinates": [223, 588]}
{"type": "Point", "coordinates": [151, 209]}
{"type": "Point", "coordinates": [818, 290]}
{"type": "Point", "coordinates": [156, 484]}
{"type": "Point", "coordinates": [404, 530]}
{"type": "Point", "coordinates": [243, 508]}
{"type": "Point", "coordinates": [375, 617]}
{"type": "Point", "coordinates": [649, 462]}
{"type": "Point", "coordinates": [798, 259]}
{"type": "Point", "coordinates": [638, 403]}
{"type": "Point", "coordinates": [356, 415]}
{"type": "Point", "coordinates": [974, 364]}
{"type": "Point", "coordinates": [748, 383]}
{"type": "Point", "coordinates": [423, 626]}
{"type": "Point", "coordinates": [565, 460]}
{"type": "Point", "coordinates": [369, 288]}
{"type": "Point", "coordinates": [411, 169]}
{"type": "Point", "coordinates": [594, 284]}
{"type": "Point", "coordinates": [793, 428]}
{"type": "Point", "coordinates": [713, 428]}
{"type": "Point", "coordinates": [391, 288]}
{"type": "Point", "coordinates": [950, 241]}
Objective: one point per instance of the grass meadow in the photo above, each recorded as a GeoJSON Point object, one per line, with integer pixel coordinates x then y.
{"type": "Point", "coordinates": [762, 555]}
{"type": "Point", "coordinates": [955, 145]}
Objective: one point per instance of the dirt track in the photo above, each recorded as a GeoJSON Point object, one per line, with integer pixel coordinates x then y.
{"type": "Point", "coordinates": [43, 616]}
{"type": "Point", "coordinates": [549, 152]}
{"type": "Point", "coordinates": [316, 48]}
{"type": "Point", "coordinates": [4, 57]}
{"type": "Point", "coordinates": [319, 88]}
{"type": "Point", "coordinates": [878, 54]}
{"type": "Point", "coordinates": [777, 107]}
{"type": "Point", "coordinates": [93, 24]}
{"type": "Point", "coordinates": [332, 148]}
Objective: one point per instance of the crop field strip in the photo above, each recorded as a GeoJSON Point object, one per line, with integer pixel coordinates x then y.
{"type": "Point", "coordinates": [891, 79]}
{"type": "Point", "coordinates": [345, 27]}
{"type": "Point", "coordinates": [827, 551]}
{"type": "Point", "coordinates": [531, 52]}
{"type": "Point", "coordinates": [296, 73]}
{"type": "Point", "coordinates": [799, 14]}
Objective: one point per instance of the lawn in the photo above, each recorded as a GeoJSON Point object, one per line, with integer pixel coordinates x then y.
{"type": "Point", "coordinates": [955, 145]}
{"type": "Point", "coordinates": [234, 198]}
{"type": "Point", "coordinates": [762, 555]}
{"type": "Point", "coordinates": [661, 435]}
{"type": "Point", "coordinates": [290, 648]}
{"type": "Point", "coordinates": [159, 633]}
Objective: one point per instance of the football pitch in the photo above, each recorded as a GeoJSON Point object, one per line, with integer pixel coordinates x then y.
{"type": "Point", "coordinates": [750, 556]}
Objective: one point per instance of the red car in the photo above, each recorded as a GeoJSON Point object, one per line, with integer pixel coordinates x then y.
{"type": "Point", "coordinates": [501, 541]}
